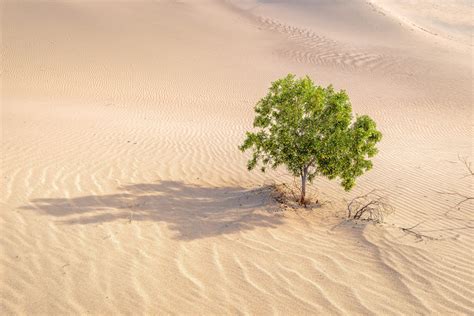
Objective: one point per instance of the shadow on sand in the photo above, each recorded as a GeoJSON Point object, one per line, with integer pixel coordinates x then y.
{"type": "Point", "coordinates": [190, 211]}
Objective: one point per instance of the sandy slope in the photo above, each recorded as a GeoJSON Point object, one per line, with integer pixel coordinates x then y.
{"type": "Point", "coordinates": [451, 19]}
{"type": "Point", "coordinates": [122, 189]}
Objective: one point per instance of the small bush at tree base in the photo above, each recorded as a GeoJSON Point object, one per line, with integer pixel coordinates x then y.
{"type": "Point", "coordinates": [310, 129]}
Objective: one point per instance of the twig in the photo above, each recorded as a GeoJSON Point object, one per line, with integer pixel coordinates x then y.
{"type": "Point", "coordinates": [467, 164]}
{"type": "Point", "coordinates": [417, 234]}
{"type": "Point", "coordinates": [464, 198]}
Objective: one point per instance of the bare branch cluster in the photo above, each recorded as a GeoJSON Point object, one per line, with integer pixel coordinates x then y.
{"type": "Point", "coordinates": [287, 195]}
{"type": "Point", "coordinates": [371, 206]}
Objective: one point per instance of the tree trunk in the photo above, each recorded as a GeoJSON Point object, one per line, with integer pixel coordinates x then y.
{"type": "Point", "coordinates": [303, 186]}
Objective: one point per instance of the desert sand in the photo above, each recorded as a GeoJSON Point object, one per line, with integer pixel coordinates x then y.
{"type": "Point", "coordinates": [123, 191]}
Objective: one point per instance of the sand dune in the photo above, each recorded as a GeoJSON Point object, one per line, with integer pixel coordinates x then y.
{"type": "Point", "coordinates": [123, 190]}
{"type": "Point", "coordinates": [451, 20]}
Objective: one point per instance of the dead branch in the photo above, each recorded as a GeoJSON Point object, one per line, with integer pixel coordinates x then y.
{"type": "Point", "coordinates": [287, 196]}
{"type": "Point", "coordinates": [463, 198]}
{"type": "Point", "coordinates": [418, 235]}
{"type": "Point", "coordinates": [371, 206]}
{"type": "Point", "coordinates": [291, 190]}
{"type": "Point", "coordinates": [467, 164]}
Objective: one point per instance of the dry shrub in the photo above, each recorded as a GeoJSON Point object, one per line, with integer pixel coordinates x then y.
{"type": "Point", "coordinates": [288, 196]}
{"type": "Point", "coordinates": [372, 206]}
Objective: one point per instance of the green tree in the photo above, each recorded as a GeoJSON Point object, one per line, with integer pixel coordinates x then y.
{"type": "Point", "coordinates": [310, 130]}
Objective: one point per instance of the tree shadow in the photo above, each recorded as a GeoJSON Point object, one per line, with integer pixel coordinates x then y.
{"type": "Point", "coordinates": [191, 211]}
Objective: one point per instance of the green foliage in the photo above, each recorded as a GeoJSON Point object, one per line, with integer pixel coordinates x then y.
{"type": "Point", "coordinates": [310, 130]}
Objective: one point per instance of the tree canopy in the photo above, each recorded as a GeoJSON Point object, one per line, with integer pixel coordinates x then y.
{"type": "Point", "coordinates": [311, 130]}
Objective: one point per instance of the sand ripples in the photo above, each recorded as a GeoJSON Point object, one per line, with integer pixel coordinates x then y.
{"type": "Point", "coordinates": [123, 189]}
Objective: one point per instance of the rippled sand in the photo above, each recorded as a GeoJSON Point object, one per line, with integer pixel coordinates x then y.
{"type": "Point", "coordinates": [123, 191]}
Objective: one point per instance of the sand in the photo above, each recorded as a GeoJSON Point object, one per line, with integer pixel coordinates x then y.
{"type": "Point", "coordinates": [123, 191]}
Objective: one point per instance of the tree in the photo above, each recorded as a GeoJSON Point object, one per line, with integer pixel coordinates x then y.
{"type": "Point", "coordinates": [310, 130]}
